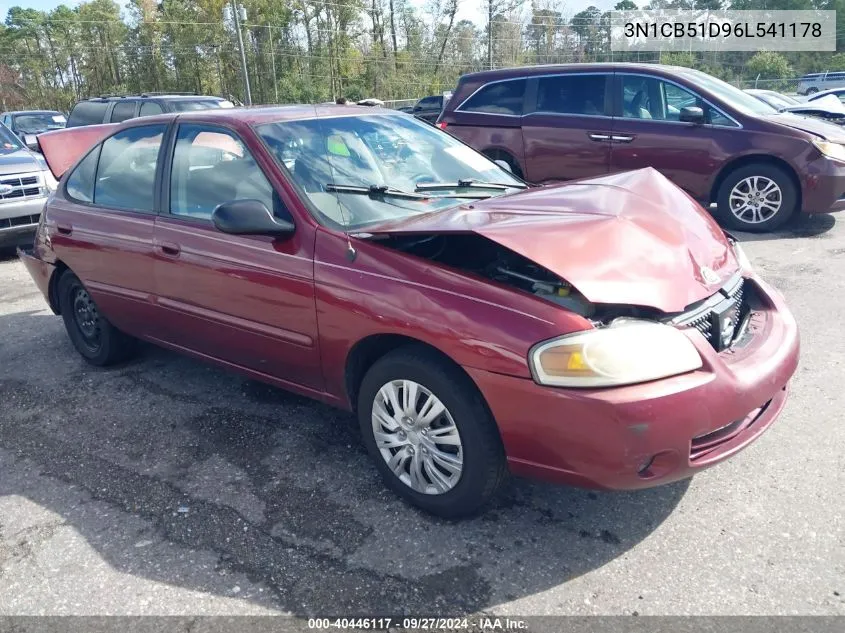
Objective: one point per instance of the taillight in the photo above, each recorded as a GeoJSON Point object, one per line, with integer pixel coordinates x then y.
{"type": "Point", "coordinates": [442, 125]}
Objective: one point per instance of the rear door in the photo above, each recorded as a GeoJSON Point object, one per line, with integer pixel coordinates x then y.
{"type": "Point", "coordinates": [567, 127]}
{"type": "Point", "coordinates": [648, 133]}
{"type": "Point", "coordinates": [243, 299]}
{"type": "Point", "coordinates": [101, 225]}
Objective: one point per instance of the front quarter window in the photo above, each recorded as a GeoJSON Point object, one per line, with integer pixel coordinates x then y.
{"type": "Point", "coordinates": [80, 183]}
{"type": "Point", "coordinates": [396, 155]}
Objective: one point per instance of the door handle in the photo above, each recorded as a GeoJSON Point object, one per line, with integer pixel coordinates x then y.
{"type": "Point", "coordinates": [622, 139]}
{"type": "Point", "coordinates": [170, 249]}
{"type": "Point", "coordinates": [64, 229]}
{"type": "Point", "coordinates": [599, 137]}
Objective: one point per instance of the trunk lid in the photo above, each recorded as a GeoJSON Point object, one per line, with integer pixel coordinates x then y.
{"type": "Point", "coordinates": [62, 148]}
{"type": "Point", "coordinates": [629, 238]}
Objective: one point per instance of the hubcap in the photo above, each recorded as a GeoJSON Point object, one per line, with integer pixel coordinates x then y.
{"type": "Point", "coordinates": [86, 316]}
{"type": "Point", "coordinates": [417, 437]}
{"type": "Point", "coordinates": [755, 199]}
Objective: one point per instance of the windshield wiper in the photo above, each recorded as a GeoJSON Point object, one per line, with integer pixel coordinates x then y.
{"type": "Point", "coordinates": [469, 183]}
{"type": "Point", "coordinates": [383, 191]}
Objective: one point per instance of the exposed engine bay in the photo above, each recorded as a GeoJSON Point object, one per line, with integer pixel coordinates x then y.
{"type": "Point", "coordinates": [476, 254]}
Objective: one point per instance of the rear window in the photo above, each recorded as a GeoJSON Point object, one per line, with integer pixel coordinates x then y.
{"type": "Point", "coordinates": [122, 110]}
{"type": "Point", "coordinates": [87, 113]}
{"type": "Point", "coordinates": [572, 94]}
{"type": "Point", "coordinates": [503, 97]}
{"type": "Point", "coordinates": [430, 102]}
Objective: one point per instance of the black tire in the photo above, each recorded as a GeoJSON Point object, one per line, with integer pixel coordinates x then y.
{"type": "Point", "coordinates": [97, 340]}
{"type": "Point", "coordinates": [484, 466]}
{"type": "Point", "coordinates": [789, 198]}
{"type": "Point", "coordinates": [812, 91]}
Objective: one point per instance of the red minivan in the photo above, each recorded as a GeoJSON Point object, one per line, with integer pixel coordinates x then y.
{"type": "Point", "coordinates": [721, 145]}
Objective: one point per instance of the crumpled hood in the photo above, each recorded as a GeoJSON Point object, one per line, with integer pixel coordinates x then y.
{"type": "Point", "coordinates": [629, 238]}
{"type": "Point", "coordinates": [19, 161]}
{"type": "Point", "coordinates": [806, 123]}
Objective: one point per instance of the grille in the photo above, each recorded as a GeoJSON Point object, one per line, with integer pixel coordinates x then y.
{"type": "Point", "coordinates": [710, 318]}
{"type": "Point", "coordinates": [23, 186]}
{"type": "Point", "coordinates": [24, 220]}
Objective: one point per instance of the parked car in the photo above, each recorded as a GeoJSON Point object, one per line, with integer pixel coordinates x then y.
{"type": "Point", "coordinates": [721, 145]}
{"type": "Point", "coordinates": [117, 108]}
{"type": "Point", "coordinates": [428, 108]}
{"type": "Point", "coordinates": [818, 82]}
{"type": "Point", "coordinates": [839, 93]}
{"type": "Point", "coordinates": [26, 124]}
{"type": "Point", "coordinates": [828, 108]}
{"type": "Point", "coordinates": [25, 183]}
{"type": "Point", "coordinates": [474, 323]}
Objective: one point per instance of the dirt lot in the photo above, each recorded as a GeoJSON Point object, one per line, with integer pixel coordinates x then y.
{"type": "Point", "coordinates": [169, 487]}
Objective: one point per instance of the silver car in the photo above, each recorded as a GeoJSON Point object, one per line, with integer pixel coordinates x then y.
{"type": "Point", "coordinates": [25, 183]}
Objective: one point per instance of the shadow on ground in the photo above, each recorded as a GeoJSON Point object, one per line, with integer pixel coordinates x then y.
{"type": "Point", "coordinates": [276, 487]}
{"type": "Point", "coordinates": [816, 225]}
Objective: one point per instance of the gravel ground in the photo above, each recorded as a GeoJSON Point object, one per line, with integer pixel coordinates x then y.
{"type": "Point", "coordinates": [166, 486]}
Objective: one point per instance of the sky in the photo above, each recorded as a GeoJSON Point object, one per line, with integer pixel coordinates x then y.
{"type": "Point", "coordinates": [469, 10]}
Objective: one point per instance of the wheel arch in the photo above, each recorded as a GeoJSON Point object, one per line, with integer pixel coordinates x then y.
{"type": "Point", "coordinates": [497, 153]}
{"type": "Point", "coordinates": [751, 159]}
{"type": "Point", "coordinates": [366, 352]}
{"type": "Point", "coordinates": [53, 286]}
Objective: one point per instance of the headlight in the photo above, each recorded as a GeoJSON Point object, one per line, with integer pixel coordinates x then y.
{"type": "Point", "coordinates": [741, 257]}
{"type": "Point", "coordinates": [626, 352]}
{"type": "Point", "coordinates": [831, 150]}
{"type": "Point", "coordinates": [49, 181]}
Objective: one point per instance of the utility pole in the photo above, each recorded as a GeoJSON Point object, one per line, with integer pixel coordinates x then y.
{"type": "Point", "coordinates": [273, 60]}
{"type": "Point", "coordinates": [236, 17]}
{"type": "Point", "coordinates": [490, 33]}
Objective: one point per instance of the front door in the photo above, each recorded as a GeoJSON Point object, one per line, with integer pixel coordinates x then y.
{"type": "Point", "coordinates": [244, 299]}
{"type": "Point", "coordinates": [648, 133]}
{"type": "Point", "coordinates": [567, 131]}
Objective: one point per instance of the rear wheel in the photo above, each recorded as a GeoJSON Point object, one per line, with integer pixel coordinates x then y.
{"type": "Point", "coordinates": [757, 198]}
{"type": "Point", "coordinates": [430, 434]}
{"type": "Point", "coordinates": [97, 340]}
{"type": "Point", "coordinates": [495, 155]}
{"type": "Point", "coordinates": [812, 91]}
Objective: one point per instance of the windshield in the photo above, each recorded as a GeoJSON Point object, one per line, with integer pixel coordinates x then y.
{"type": "Point", "coordinates": [776, 100]}
{"type": "Point", "coordinates": [740, 100]}
{"type": "Point", "coordinates": [37, 122]}
{"type": "Point", "coordinates": [329, 158]}
{"type": "Point", "coordinates": [205, 104]}
{"type": "Point", "coordinates": [8, 141]}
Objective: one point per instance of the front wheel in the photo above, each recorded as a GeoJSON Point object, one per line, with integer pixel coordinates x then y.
{"type": "Point", "coordinates": [430, 434]}
{"type": "Point", "coordinates": [757, 198]}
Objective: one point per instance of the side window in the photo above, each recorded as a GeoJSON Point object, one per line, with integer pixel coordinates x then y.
{"type": "Point", "coordinates": [212, 166]}
{"type": "Point", "coordinates": [504, 97]}
{"type": "Point", "coordinates": [149, 108]}
{"type": "Point", "coordinates": [87, 113]}
{"type": "Point", "coordinates": [572, 94]}
{"type": "Point", "coordinates": [122, 110]}
{"type": "Point", "coordinates": [80, 184]}
{"type": "Point", "coordinates": [127, 168]}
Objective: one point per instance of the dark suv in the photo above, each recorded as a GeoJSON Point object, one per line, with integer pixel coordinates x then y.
{"type": "Point", "coordinates": [114, 109]}
{"type": "Point", "coordinates": [721, 145]}
{"type": "Point", "coordinates": [428, 108]}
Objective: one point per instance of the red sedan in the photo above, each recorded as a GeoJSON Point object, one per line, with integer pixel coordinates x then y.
{"type": "Point", "coordinates": [603, 333]}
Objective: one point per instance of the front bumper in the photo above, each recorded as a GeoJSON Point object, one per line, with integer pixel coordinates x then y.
{"type": "Point", "coordinates": [644, 435]}
{"type": "Point", "coordinates": [823, 186]}
{"type": "Point", "coordinates": [19, 221]}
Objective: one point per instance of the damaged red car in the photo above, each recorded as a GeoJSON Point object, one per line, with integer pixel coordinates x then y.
{"type": "Point", "coordinates": [603, 333]}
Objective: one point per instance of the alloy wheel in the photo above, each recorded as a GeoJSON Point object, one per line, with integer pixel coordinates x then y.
{"type": "Point", "coordinates": [755, 199]}
{"type": "Point", "coordinates": [417, 437]}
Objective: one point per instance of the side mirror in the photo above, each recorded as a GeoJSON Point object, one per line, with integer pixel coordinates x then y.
{"type": "Point", "coordinates": [504, 165]}
{"type": "Point", "coordinates": [31, 141]}
{"type": "Point", "coordinates": [692, 114]}
{"type": "Point", "coordinates": [249, 217]}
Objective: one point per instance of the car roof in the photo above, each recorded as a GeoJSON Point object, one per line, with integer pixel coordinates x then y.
{"type": "Point", "coordinates": [169, 97]}
{"type": "Point", "coordinates": [256, 115]}
{"type": "Point", "coordinates": [12, 112]}
{"type": "Point", "coordinates": [543, 69]}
